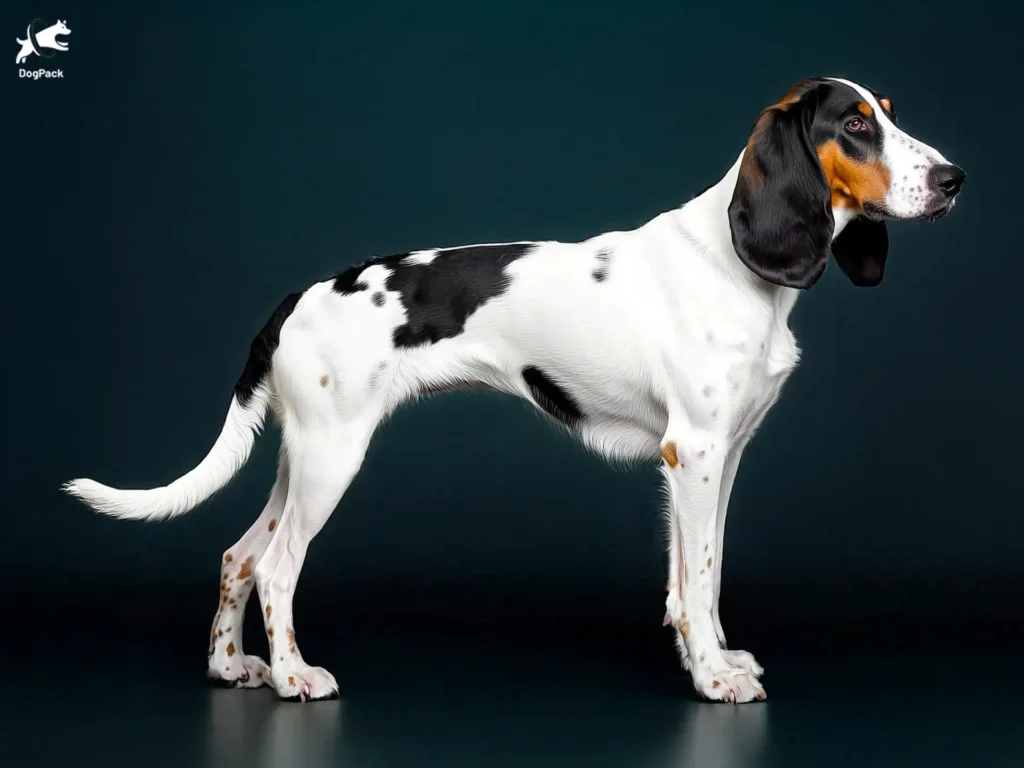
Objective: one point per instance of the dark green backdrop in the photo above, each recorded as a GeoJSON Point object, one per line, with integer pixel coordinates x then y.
{"type": "Point", "coordinates": [196, 164]}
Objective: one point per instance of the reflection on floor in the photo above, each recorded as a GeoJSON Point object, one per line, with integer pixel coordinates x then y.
{"type": "Point", "coordinates": [426, 698]}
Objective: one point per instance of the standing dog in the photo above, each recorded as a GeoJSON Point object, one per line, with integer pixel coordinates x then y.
{"type": "Point", "coordinates": [665, 343]}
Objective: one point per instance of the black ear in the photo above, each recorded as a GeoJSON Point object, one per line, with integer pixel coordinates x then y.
{"type": "Point", "coordinates": [781, 209]}
{"type": "Point", "coordinates": [860, 251]}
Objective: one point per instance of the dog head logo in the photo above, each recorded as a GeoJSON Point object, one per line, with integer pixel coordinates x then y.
{"type": "Point", "coordinates": [39, 40]}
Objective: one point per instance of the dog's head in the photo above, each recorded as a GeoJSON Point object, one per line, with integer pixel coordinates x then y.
{"type": "Point", "coordinates": [60, 28]}
{"type": "Point", "coordinates": [829, 157]}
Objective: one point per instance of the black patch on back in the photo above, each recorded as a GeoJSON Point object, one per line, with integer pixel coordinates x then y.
{"type": "Point", "coordinates": [551, 397]}
{"type": "Point", "coordinates": [261, 351]}
{"type": "Point", "coordinates": [440, 296]}
{"type": "Point", "coordinates": [347, 283]}
{"type": "Point", "coordinates": [600, 273]}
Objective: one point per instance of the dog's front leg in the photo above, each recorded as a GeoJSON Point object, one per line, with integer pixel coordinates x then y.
{"type": "Point", "coordinates": [732, 463]}
{"type": "Point", "coordinates": [694, 465]}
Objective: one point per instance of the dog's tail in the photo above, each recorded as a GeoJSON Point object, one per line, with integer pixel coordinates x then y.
{"type": "Point", "coordinates": [246, 413]}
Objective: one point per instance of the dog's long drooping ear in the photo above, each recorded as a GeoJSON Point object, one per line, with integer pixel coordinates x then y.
{"type": "Point", "coordinates": [781, 213]}
{"type": "Point", "coordinates": [860, 250]}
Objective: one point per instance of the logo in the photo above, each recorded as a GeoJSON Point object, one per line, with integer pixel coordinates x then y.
{"type": "Point", "coordinates": [41, 41]}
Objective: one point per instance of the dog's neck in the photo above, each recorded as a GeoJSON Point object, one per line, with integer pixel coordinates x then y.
{"type": "Point", "coordinates": [705, 219]}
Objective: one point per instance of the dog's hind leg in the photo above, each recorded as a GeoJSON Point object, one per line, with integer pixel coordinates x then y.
{"type": "Point", "coordinates": [325, 454]}
{"type": "Point", "coordinates": [228, 665]}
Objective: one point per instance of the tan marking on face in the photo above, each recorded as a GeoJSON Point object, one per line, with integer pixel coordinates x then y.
{"type": "Point", "coordinates": [324, 380]}
{"type": "Point", "coordinates": [668, 452]}
{"type": "Point", "coordinates": [246, 570]}
{"type": "Point", "coordinates": [231, 649]}
{"type": "Point", "coordinates": [291, 640]}
{"type": "Point", "coordinates": [865, 109]}
{"type": "Point", "coordinates": [272, 526]}
{"type": "Point", "coordinates": [715, 683]}
{"type": "Point", "coordinates": [853, 183]}
{"type": "Point", "coordinates": [228, 558]}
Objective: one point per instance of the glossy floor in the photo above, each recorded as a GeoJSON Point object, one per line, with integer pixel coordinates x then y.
{"type": "Point", "coordinates": [421, 697]}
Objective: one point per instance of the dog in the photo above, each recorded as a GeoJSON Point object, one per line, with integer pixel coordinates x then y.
{"type": "Point", "coordinates": [667, 343]}
{"type": "Point", "coordinates": [45, 38]}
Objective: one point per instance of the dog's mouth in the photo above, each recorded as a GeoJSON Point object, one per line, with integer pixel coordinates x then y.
{"type": "Point", "coordinates": [879, 212]}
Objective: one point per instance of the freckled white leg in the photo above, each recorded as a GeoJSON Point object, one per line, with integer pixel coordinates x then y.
{"type": "Point", "coordinates": [734, 658]}
{"type": "Point", "coordinates": [324, 456]}
{"type": "Point", "coordinates": [675, 613]}
{"type": "Point", "coordinates": [227, 663]}
{"type": "Point", "coordinates": [694, 467]}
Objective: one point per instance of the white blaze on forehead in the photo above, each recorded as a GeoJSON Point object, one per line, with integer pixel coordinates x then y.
{"type": "Point", "coordinates": [907, 159]}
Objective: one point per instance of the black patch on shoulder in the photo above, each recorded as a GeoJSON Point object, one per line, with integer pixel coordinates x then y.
{"type": "Point", "coordinates": [551, 397]}
{"type": "Point", "coordinates": [377, 299]}
{"type": "Point", "coordinates": [261, 351]}
{"type": "Point", "coordinates": [600, 273]}
{"type": "Point", "coordinates": [440, 296]}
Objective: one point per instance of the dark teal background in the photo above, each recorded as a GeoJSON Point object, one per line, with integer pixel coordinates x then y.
{"type": "Point", "coordinates": [488, 594]}
{"type": "Point", "coordinates": [198, 162]}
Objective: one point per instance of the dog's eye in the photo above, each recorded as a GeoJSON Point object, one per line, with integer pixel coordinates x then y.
{"type": "Point", "coordinates": [856, 124]}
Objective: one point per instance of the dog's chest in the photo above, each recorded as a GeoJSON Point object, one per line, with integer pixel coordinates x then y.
{"type": "Point", "coordinates": [755, 376]}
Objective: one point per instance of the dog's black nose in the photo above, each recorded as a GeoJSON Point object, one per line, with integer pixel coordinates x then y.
{"type": "Point", "coordinates": [947, 179]}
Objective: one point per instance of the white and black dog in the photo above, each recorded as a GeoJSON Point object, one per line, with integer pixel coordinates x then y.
{"type": "Point", "coordinates": [666, 343]}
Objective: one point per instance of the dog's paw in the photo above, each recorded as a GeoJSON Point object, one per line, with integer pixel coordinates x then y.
{"type": "Point", "coordinates": [731, 685]}
{"type": "Point", "coordinates": [241, 672]}
{"type": "Point", "coordinates": [743, 660]}
{"type": "Point", "coordinates": [305, 683]}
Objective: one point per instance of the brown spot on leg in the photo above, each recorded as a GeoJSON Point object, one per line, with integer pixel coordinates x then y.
{"type": "Point", "coordinates": [220, 633]}
{"type": "Point", "coordinates": [291, 640]}
{"type": "Point", "coordinates": [706, 478]}
{"type": "Point", "coordinates": [324, 381]}
{"type": "Point", "coordinates": [709, 562]}
{"type": "Point", "coordinates": [270, 632]}
{"type": "Point", "coordinates": [715, 683]}
{"type": "Point", "coordinates": [668, 452]}
{"type": "Point", "coordinates": [231, 649]}
{"type": "Point", "coordinates": [684, 629]}
{"type": "Point", "coordinates": [291, 681]}
{"type": "Point", "coordinates": [272, 526]}
{"type": "Point", "coordinates": [228, 558]}
{"type": "Point", "coordinates": [246, 570]}
{"type": "Point", "coordinates": [269, 609]}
